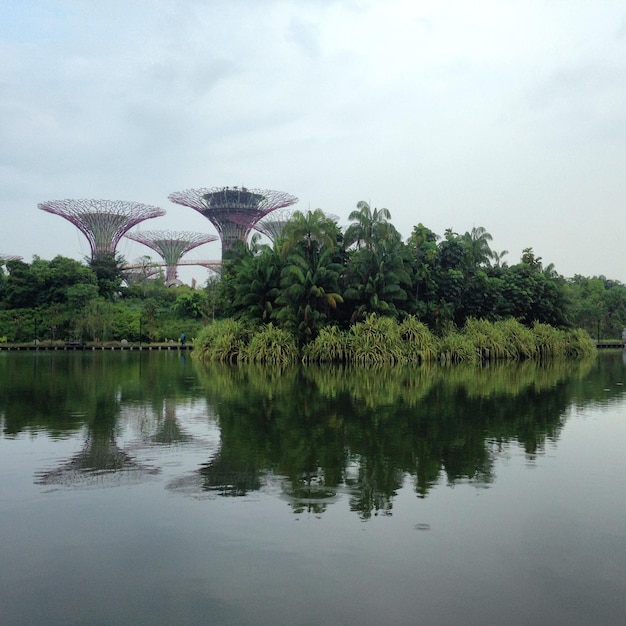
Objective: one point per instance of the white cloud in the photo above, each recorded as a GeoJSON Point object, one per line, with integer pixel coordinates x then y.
{"type": "Point", "coordinates": [507, 115]}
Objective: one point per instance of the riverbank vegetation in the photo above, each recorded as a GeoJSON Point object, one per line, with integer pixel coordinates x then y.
{"type": "Point", "coordinates": [384, 341]}
{"type": "Point", "coordinates": [321, 293]}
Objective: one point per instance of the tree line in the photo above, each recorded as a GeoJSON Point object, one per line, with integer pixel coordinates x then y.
{"type": "Point", "coordinates": [313, 276]}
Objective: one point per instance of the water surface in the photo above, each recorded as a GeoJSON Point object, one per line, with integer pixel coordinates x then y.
{"type": "Point", "coordinates": [140, 488]}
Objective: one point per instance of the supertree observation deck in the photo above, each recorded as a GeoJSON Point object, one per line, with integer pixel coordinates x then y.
{"type": "Point", "coordinates": [103, 222]}
{"type": "Point", "coordinates": [233, 211]}
{"type": "Point", "coordinates": [171, 246]}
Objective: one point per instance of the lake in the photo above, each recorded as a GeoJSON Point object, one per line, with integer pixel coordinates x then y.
{"type": "Point", "coordinates": [143, 488]}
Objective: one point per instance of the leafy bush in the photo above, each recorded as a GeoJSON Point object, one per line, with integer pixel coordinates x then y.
{"type": "Point", "coordinates": [271, 345]}
{"type": "Point", "coordinates": [222, 340]}
{"type": "Point", "coordinates": [418, 343]}
{"type": "Point", "coordinates": [376, 341]}
{"type": "Point", "coordinates": [330, 346]}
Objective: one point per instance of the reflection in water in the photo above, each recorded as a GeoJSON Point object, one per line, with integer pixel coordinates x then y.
{"type": "Point", "coordinates": [328, 431]}
{"type": "Point", "coordinates": [101, 462]}
{"type": "Point", "coordinates": [314, 434]}
{"type": "Point", "coordinates": [64, 394]}
{"type": "Point", "coordinates": [169, 430]}
{"type": "Point", "coordinates": [249, 459]}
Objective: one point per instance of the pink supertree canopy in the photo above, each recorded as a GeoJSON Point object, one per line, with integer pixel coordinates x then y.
{"type": "Point", "coordinates": [171, 245]}
{"type": "Point", "coordinates": [9, 257]}
{"type": "Point", "coordinates": [103, 222]}
{"type": "Point", "coordinates": [233, 210]}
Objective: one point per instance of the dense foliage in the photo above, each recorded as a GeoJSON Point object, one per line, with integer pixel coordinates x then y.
{"type": "Point", "coordinates": [312, 279]}
{"type": "Point", "coordinates": [315, 276]}
{"type": "Point", "coordinates": [384, 341]}
{"type": "Point", "coordinates": [63, 299]}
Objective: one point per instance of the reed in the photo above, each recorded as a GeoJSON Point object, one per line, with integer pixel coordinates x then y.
{"type": "Point", "coordinates": [550, 342]}
{"type": "Point", "coordinates": [455, 348]}
{"type": "Point", "coordinates": [580, 344]}
{"type": "Point", "coordinates": [381, 341]}
{"type": "Point", "coordinates": [488, 340]}
{"type": "Point", "coordinates": [520, 339]}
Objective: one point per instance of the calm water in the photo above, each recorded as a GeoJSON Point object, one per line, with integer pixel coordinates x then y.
{"type": "Point", "coordinates": [139, 488]}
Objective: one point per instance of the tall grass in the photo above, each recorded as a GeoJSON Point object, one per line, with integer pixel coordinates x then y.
{"type": "Point", "coordinates": [580, 344]}
{"type": "Point", "coordinates": [271, 345]}
{"type": "Point", "coordinates": [488, 339]}
{"type": "Point", "coordinates": [418, 343]}
{"type": "Point", "coordinates": [550, 342]}
{"type": "Point", "coordinates": [380, 341]}
{"type": "Point", "coordinates": [456, 348]}
{"type": "Point", "coordinates": [330, 346]}
{"type": "Point", "coordinates": [222, 340]}
{"type": "Point", "coordinates": [519, 339]}
{"type": "Point", "coordinates": [375, 341]}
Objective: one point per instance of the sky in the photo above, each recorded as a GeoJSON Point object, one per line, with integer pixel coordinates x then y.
{"type": "Point", "coordinates": [506, 114]}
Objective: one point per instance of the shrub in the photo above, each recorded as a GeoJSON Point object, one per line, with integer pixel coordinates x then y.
{"type": "Point", "coordinates": [376, 341]}
{"type": "Point", "coordinates": [222, 340]}
{"type": "Point", "coordinates": [330, 346]}
{"type": "Point", "coordinates": [418, 343]}
{"type": "Point", "coordinates": [271, 345]}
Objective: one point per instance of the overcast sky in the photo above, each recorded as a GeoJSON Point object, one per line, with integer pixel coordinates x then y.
{"type": "Point", "coordinates": [509, 115]}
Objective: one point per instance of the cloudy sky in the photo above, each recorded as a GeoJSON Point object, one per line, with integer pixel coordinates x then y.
{"type": "Point", "coordinates": [506, 114]}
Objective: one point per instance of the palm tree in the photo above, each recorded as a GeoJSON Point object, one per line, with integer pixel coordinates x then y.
{"type": "Point", "coordinates": [477, 243]}
{"type": "Point", "coordinates": [377, 280]}
{"type": "Point", "coordinates": [308, 293]}
{"type": "Point", "coordinates": [498, 258]}
{"type": "Point", "coordinates": [312, 230]}
{"type": "Point", "coordinates": [255, 285]}
{"type": "Point", "coordinates": [367, 225]}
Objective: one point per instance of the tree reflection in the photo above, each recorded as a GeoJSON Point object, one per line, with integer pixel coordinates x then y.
{"type": "Point", "coordinates": [66, 393]}
{"type": "Point", "coordinates": [169, 430]}
{"type": "Point", "coordinates": [312, 435]}
{"type": "Point", "coordinates": [362, 432]}
{"type": "Point", "coordinates": [101, 462]}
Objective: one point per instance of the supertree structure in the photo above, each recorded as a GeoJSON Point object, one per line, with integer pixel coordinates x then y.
{"type": "Point", "coordinates": [103, 222]}
{"type": "Point", "coordinates": [141, 270]}
{"type": "Point", "coordinates": [272, 227]}
{"type": "Point", "coordinates": [171, 246]}
{"type": "Point", "coordinates": [233, 211]}
{"type": "Point", "coordinates": [4, 258]}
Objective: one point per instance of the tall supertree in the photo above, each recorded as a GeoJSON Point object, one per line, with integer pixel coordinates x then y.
{"type": "Point", "coordinates": [103, 222]}
{"type": "Point", "coordinates": [232, 210]}
{"type": "Point", "coordinates": [171, 246]}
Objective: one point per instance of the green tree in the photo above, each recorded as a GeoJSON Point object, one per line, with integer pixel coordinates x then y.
{"type": "Point", "coordinates": [367, 226]}
{"type": "Point", "coordinates": [422, 246]}
{"type": "Point", "coordinates": [377, 279]}
{"type": "Point", "coordinates": [193, 304]}
{"type": "Point", "coordinates": [257, 285]}
{"type": "Point", "coordinates": [309, 292]}
{"type": "Point", "coordinates": [312, 231]}
{"type": "Point", "coordinates": [477, 244]}
{"type": "Point", "coordinates": [109, 273]}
